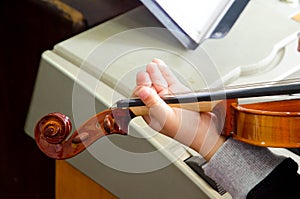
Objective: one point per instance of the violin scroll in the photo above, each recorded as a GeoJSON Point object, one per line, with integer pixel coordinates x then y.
{"type": "Point", "coordinates": [54, 128]}
{"type": "Point", "coordinates": [52, 132]}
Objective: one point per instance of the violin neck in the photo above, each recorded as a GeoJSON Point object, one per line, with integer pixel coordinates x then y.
{"type": "Point", "coordinates": [203, 106]}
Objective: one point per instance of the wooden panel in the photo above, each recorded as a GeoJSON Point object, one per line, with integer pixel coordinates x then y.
{"type": "Point", "coordinates": [296, 17]}
{"type": "Point", "coordinates": [72, 184]}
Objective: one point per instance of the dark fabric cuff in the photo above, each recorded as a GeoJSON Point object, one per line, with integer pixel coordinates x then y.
{"type": "Point", "coordinates": [282, 182]}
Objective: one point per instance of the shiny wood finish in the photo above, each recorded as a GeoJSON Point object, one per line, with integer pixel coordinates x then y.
{"type": "Point", "coordinates": [52, 132]}
{"type": "Point", "coordinates": [272, 124]}
{"type": "Point", "coordinates": [70, 183]}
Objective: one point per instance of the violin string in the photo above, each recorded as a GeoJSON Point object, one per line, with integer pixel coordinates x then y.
{"type": "Point", "coordinates": [270, 83]}
{"type": "Point", "coordinates": [287, 87]}
{"type": "Point", "coordinates": [235, 87]}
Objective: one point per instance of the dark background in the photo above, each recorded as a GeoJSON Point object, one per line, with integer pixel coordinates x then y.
{"type": "Point", "coordinates": [27, 29]}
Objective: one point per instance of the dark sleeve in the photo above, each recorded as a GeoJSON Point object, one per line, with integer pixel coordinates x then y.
{"type": "Point", "coordinates": [282, 182]}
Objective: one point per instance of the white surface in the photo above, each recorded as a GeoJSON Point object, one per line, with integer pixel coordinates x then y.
{"type": "Point", "coordinates": [261, 32]}
{"type": "Point", "coordinates": [250, 48]}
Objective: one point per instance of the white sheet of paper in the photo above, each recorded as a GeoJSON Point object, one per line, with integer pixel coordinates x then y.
{"type": "Point", "coordinates": [195, 16]}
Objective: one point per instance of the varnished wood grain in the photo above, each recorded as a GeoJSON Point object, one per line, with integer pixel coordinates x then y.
{"type": "Point", "coordinates": [269, 124]}
{"type": "Point", "coordinates": [72, 184]}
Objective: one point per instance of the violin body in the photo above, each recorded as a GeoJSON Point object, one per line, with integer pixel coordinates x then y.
{"type": "Point", "coordinates": [268, 124]}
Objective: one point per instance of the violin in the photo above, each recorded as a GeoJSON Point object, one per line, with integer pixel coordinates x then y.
{"type": "Point", "coordinates": [268, 124]}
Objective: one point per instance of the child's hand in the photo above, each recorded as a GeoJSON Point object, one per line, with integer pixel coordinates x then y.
{"type": "Point", "coordinates": [188, 127]}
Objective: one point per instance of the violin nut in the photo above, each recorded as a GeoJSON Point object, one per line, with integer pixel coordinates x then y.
{"type": "Point", "coordinates": [108, 123]}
